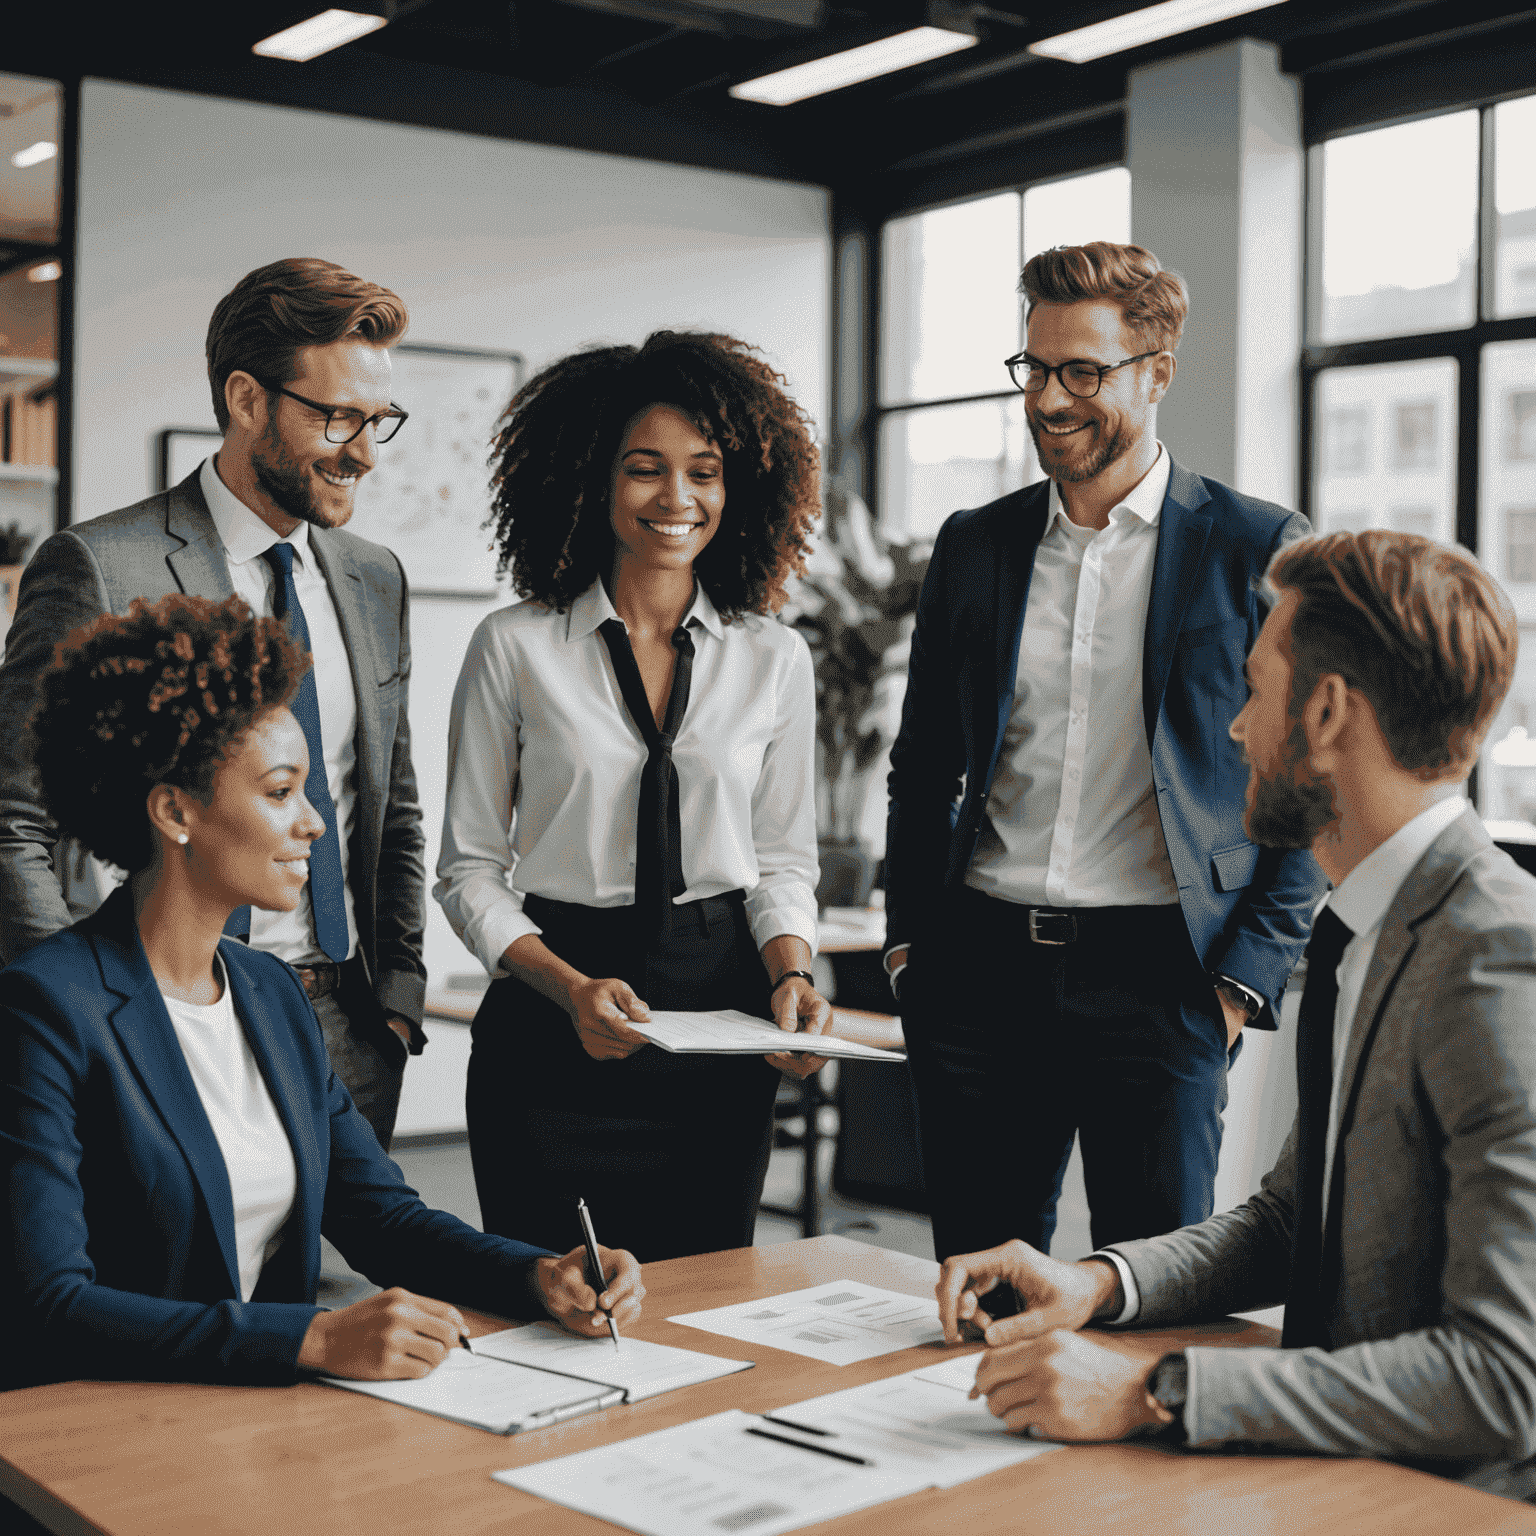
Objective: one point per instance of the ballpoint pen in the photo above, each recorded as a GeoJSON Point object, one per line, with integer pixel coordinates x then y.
{"type": "Point", "coordinates": [594, 1263]}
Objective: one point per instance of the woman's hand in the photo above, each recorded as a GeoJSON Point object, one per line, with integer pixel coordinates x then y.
{"type": "Point", "coordinates": [389, 1337]}
{"type": "Point", "coordinates": [600, 1010]}
{"type": "Point", "coordinates": [571, 1301]}
{"type": "Point", "coordinates": [799, 1007]}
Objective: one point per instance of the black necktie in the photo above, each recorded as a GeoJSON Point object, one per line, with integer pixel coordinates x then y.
{"type": "Point", "coordinates": [658, 827]}
{"type": "Point", "coordinates": [325, 882]}
{"type": "Point", "coordinates": [1304, 1322]}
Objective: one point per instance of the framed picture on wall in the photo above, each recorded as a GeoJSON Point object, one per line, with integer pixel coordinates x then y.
{"type": "Point", "coordinates": [429, 493]}
{"type": "Point", "coordinates": [179, 450]}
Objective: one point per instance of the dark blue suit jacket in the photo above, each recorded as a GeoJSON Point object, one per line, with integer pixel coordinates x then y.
{"type": "Point", "coordinates": [122, 1227]}
{"type": "Point", "coordinates": [1248, 910]}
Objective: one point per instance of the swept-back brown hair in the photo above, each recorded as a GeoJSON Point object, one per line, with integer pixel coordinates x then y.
{"type": "Point", "coordinates": [155, 696]}
{"type": "Point", "coordinates": [554, 452]}
{"type": "Point", "coordinates": [1420, 628]}
{"type": "Point", "coordinates": [301, 301]}
{"type": "Point", "coordinates": [1153, 301]}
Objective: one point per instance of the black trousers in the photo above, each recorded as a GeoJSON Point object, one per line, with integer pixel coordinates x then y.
{"type": "Point", "coordinates": [1015, 1047]}
{"type": "Point", "coordinates": [669, 1152]}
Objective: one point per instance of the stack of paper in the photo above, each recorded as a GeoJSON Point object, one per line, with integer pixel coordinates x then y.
{"type": "Point", "coordinates": [730, 1033]}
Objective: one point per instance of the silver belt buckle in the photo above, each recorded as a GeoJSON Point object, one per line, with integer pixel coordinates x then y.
{"type": "Point", "coordinates": [1035, 936]}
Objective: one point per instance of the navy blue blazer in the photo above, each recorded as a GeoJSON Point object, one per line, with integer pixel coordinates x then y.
{"type": "Point", "coordinates": [1248, 910]}
{"type": "Point", "coordinates": [122, 1224]}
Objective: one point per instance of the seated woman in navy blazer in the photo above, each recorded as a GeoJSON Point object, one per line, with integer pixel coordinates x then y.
{"type": "Point", "coordinates": [173, 1139]}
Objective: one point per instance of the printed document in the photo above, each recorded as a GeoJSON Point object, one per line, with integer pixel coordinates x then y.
{"type": "Point", "coordinates": [710, 1477]}
{"type": "Point", "coordinates": [491, 1394]}
{"type": "Point", "coordinates": [730, 1033]}
{"type": "Point", "coordinates": [841, 1322]}
{"type": "Point", "coordinates": [639, 1368]}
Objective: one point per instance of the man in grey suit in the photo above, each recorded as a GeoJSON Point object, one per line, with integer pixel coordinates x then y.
{"type": "Point", "coordinates": [300, 375]}
{"type": "Point", "coordinates": [1399, 1225]}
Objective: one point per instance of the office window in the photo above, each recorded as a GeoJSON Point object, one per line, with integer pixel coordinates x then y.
{"type": "Point", "coordinates": [950, 425]}
{"type": "Point", "coordinates": [1422, 286]}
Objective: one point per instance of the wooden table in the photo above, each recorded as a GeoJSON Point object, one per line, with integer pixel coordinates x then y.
{"type": "Point", "coordinates": [152, 1460]}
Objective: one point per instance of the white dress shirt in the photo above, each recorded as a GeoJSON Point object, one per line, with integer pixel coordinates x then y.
{"type": "Point", "coordinates": [246, 538]}
{"type": "Point", "coordinates": [1072, 818]}
{"type": "Point", "coordinates": [263, 1177]}
{"type": "Point", "coordinates": [1361, 903]}
{"type": "Point", "coordinates": [544, 766]}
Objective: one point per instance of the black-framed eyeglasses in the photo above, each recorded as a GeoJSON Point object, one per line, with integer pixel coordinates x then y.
{"type": "Point", "coordinates": [1078, 377]}
{"type": "Point", "coordinates": [343, 422]}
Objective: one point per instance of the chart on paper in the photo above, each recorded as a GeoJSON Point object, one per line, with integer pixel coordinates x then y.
{"type": "Point", "coordinates": [840, 1323]}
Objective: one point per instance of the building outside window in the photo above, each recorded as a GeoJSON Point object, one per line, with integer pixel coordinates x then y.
{"type": "Point", "coordinates": [950, 423]}
{"type": "Point", "coordinates": [1420, 364]}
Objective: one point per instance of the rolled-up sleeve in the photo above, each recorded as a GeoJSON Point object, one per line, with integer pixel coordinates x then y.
{"type": "Point", "coordinates": [476, 859]}
{"type": "Point", "coordinates": [784, 812]}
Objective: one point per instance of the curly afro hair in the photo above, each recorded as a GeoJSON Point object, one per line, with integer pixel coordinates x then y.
{"type": "Point", "coordinates": [556, 444]}
{"type": "Point", "coordinates": [155, 697]}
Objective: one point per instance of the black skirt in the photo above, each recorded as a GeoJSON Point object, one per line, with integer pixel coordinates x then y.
{"type": "Point", "coordinates": [669, 1152]}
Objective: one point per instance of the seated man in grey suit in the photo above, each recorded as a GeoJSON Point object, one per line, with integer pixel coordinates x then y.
{"type": "Point", "coordinates": [1399, 1225]}
{"type": "Point", "coordinates": [300, 376]}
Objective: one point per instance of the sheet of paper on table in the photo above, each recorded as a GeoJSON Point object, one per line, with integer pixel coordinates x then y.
{"type": "Point", "coordinates": [709, 1477]}
{"type": "Point", "coordinates": [841, 1322]}
{"type": "Point", "coordinates": [914, 1424]}
{"type": "Point", "coordinates": [731, 1033]}
{"type": "Point", "coordinates": [640, 1368]}
{"type": "Point", "coordinates": [491, 1394]}
{"type": "Point", "coordinates": [957, 1370]}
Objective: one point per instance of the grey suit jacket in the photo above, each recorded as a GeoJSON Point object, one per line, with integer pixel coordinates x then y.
{"type": "Point", "coordinates": [1429, 1263]}
{"type": "Point", "coordinates": [168, 543]}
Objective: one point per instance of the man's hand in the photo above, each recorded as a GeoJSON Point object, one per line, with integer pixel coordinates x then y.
{"type": "Point", "coordinates": [400, 1027]}
{"type": "Point", "coordinates": [1055, 1295]}
{"type": "Point", "coordinates": [601, 1011]}
{"type": "Point", "coordinates": [572, 1302]}
{"type": "Point", "coordinates": [1066, 1387]}
{"type": "Point", "coordinates": [798, 1006]}
{"type": "Point", "coordinates": [389, 1337]}
{"type": "Point", "coordinates": [1235, 1018]}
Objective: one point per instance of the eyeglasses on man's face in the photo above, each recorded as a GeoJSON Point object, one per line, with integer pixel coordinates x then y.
{"type": "Point", "coordinates": [1080, 378]}
{"type": "Point", "coordinates": [343, 422]}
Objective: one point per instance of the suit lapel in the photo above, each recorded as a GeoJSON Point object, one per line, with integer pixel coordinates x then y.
{"type": "Point", "coordinates": [143, 1029]}
{"type": "Point", "coordinates": [360, 636]}
{"type": "Point", "coordinates": [198, 563]}
{"type": "Point", "coordinates": [1015, 566]}
{"type": "Point", "coordinates": [1182, 534]}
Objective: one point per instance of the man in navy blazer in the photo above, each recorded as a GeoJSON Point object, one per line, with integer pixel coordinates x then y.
{"type": "Point", "coordinates": [1079, 926]}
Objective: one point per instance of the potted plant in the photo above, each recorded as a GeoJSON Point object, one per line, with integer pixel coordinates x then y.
{"type": "Point", "coordinates": [855, 609]}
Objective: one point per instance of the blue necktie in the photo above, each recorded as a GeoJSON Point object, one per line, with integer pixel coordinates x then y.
{"type": "Point", "coordinates": [325, 883]}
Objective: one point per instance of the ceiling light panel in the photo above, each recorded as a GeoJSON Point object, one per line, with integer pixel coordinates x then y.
{"type": "Point", "coordinates": [35, 154]}
{"type": "Point", "coordinates": [918, 46]}
{"type": "Point", "coordinates": [1147, 25]}
{"type": "Point", "coordinates": [309, 39]}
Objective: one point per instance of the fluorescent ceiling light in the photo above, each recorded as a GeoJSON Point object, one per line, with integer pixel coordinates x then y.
{"type": "Point", "coordinates": [47, 272]}
{"type": "Point", "coordinates": [853, 65]}
{"type": "Point", "coordinates": [35, 155]}
{"type": "Point", "coordinates": [309, 39]}
{"type": "Point", "coordinates": [1147, 25]}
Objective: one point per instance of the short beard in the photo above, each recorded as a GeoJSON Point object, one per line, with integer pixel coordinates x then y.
{"type": "Point", "coordinates": [1094, 462]}
{"type": "Point", "coordinates": [1291, 806]}
{"type": "Point", "coordinates": [286, 481]}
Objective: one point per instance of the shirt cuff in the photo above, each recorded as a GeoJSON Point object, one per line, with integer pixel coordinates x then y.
{"type": "Point", "coordinates": [491, 934]}
{"type": "Point", "coordinates": [783, 916]}
{"type": "Point", "coordinates": [1127, 1285]}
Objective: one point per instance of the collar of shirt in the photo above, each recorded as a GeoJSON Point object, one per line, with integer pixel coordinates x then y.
{"type": "Point", "coordinates": [594, 607]}
{"type": "Point", "coordinates": [244, 535]}
{"type": "Point", "coordinates": [1361, 901]}
{"type": "Point", "coordinates": [1144, 499]}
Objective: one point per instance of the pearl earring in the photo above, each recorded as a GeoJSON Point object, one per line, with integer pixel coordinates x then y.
{"type": "Point", "coordinates": [181, 837]}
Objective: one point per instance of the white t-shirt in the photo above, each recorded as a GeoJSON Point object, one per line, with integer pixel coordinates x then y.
{"type": "Point", "coordinates": [262, 1175]}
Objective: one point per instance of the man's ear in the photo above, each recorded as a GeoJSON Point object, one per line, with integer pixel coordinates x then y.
{"type": "Point", "coordinates": [246, 401]}
{"type": "Point", "coordinates": [1326, 717]}
{"type": "Point", "coordinates": [1164, 366]}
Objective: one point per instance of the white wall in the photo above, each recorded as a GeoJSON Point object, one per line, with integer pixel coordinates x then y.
{"type": "Point", "coordinates": [491, 244]}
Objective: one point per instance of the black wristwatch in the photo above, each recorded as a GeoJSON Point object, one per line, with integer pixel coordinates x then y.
{"type": "Point", "coordinates": [1234, 994]}
{"type": "Point", "coordinates": [1169, 1386]}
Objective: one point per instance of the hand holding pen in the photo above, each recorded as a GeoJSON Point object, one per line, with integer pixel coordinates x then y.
{"type": "Point", "coordinates": [569, 1298]}
{"type": "Point", "coordinates": [595, 1271]}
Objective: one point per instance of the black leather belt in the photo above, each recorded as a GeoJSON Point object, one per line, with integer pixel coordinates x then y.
{"type": "Point", "coordinates": [320, 979]}
{"type": "Point", "coordinates": [1066, 925]}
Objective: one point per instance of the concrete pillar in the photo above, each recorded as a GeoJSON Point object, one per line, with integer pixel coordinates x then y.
{"type": "Point", "coordinates": [1214, 142]}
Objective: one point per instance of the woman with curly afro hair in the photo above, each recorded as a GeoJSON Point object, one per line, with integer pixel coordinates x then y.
{"type": "Point", "coordinates": [630, 819]}
{"type": "Point", "coordinates": [172, 1136]}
